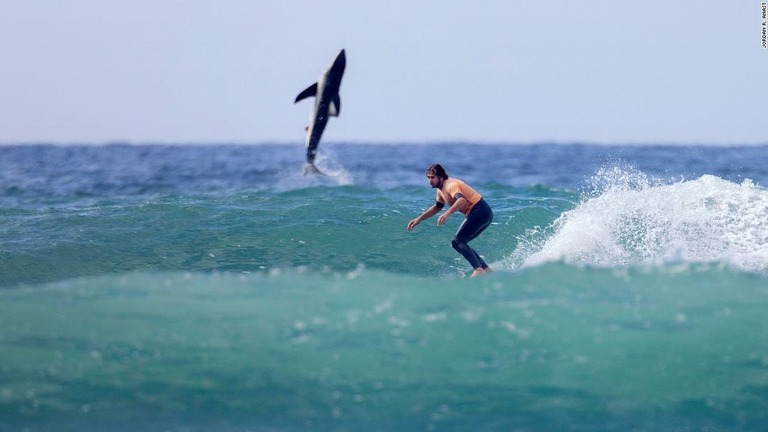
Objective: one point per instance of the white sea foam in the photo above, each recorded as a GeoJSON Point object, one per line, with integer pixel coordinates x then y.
{"type": "Point", "coordinates": [629, 219]}
{"type": "Point", "coordinates": [328, 163]}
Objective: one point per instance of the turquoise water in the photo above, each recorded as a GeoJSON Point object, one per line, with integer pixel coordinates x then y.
{"type": "Point", "coordinates": [553, 347]}
{"type": "Point", "coordinates": [320, 228]}
{"type": "Point", "coordinates": [215, 288]}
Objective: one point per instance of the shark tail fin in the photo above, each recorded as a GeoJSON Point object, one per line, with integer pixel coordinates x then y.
{"type": "Point", "coordinates": [310, 168]}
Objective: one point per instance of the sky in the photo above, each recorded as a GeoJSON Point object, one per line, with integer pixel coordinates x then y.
{"type": "Point", "coordinates": [228, 71]}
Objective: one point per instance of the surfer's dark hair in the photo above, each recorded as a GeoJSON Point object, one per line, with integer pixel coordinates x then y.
{"type": "Point", "coordinates": [437, 170]}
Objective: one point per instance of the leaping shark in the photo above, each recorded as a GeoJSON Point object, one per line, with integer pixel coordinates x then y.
{"type": "Point", "coordinates": [327, 104]}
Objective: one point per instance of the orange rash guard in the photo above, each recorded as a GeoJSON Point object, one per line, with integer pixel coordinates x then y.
{"type": "Point", "coordinates": [451, 187]}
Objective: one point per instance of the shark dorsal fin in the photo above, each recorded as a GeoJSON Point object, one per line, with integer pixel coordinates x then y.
{"type": "Point", "coordinates": [335, 106]}
{"type": "Point", "coordinates": [308, 92]}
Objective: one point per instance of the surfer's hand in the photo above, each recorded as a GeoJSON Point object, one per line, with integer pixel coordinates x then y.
{"type": "Point", "coordinates": [442, 219]}
{"type": "Point", "coordinates": [413, 223]}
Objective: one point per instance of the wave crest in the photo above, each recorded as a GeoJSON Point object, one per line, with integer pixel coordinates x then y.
{"type": "Point", "coordinates": [630, 219]}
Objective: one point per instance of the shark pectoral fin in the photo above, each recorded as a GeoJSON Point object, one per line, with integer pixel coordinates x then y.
{"type": "Point", "coordinates": [308, 92]}
{"type": "Point", "coordinates": [335, 107]}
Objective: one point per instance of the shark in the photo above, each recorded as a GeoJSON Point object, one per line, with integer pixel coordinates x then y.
{"type": "Point", "coordinates": [327, 104]}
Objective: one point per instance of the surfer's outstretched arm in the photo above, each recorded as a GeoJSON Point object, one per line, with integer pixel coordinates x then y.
{"type": "Point", "coordinates": [459, 204]}
{"type": "Point", "coordinates": [426, 215]}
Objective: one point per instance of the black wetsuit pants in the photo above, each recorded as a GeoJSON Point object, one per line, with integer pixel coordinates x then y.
{"type": "Point", "coordinates": [476, 222]}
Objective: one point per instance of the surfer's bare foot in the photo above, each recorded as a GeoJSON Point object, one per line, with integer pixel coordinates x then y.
{"type": "Point", "coordinates": [477, 272]}
{"type": "Point", "coordinates": [480, 271]}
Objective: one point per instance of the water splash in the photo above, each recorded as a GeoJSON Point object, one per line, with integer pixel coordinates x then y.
{"type": "Point", "coordinates": [328, 163]}
{"type": "Point", "coordinates": [628, 218]}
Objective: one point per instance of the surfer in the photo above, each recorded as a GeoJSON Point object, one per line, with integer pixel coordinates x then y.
{"type": "Point", "coordinates": [460, 197]}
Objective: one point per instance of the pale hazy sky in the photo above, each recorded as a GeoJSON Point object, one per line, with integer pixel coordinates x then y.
{"type": "Point", "coordinates": [610, 71]}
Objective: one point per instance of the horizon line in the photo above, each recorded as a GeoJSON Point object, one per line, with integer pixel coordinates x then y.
{"type": "Point", "coordinates": [108, 143]}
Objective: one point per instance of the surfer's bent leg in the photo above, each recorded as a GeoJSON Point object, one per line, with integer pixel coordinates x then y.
{"type": "Point", "coordinates": [476, 222]}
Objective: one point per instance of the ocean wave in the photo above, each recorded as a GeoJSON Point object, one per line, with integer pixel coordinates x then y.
{"type": "Point", "coordinates": [335, 227]}
{"type": "Point", "coordinates": [295, 349]}
{"type": "Point", "coordinates": [629, 219]}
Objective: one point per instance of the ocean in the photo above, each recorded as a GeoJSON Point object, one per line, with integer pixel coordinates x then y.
{"type": "Point", "coordinates": [216, 288]}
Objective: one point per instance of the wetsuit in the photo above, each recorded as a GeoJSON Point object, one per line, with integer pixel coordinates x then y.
{"type": "Point", "coordinates": [478, 217]}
